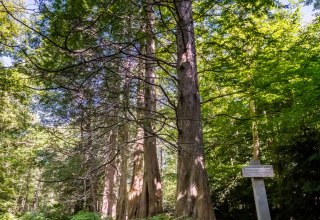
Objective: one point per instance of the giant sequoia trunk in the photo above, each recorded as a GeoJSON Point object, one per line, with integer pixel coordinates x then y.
{"type": "Point", "coordinates": [193, 196]}
{"type": "Point", "coordinates": [151, 198]}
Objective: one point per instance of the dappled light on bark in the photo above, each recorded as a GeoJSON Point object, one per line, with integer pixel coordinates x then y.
{"type": "Point", "coordinates": [137, 176]}
{"type": "Point", "coordinates": [193, 195]}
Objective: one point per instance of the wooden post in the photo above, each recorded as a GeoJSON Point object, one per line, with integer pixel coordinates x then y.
{"type": "Point", "coordinates": [257, 172]}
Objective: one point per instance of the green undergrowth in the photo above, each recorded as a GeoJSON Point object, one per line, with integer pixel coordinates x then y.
{"type": "Point", "coordinates": [82, 215]}
{"type": "Point", "coordinates": [86, 216]}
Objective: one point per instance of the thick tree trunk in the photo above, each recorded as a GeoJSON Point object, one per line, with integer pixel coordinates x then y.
{"type": "Point", "coordinates": [151, 198]}
{"type": "Point", "coordinates": [137, 176]}
{"type": "Point", "coordinates": [193, 196]}
{"type": "Point", "coordinates": [109, 196]}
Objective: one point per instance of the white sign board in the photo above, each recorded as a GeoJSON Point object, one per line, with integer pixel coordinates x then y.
{"type": "Point", "coordinates": [257, 171]}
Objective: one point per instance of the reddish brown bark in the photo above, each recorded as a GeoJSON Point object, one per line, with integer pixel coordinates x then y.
{"type": "Point", "coordinates": [137, 175]}
{"type": "Point", "coordinates": [122, 203]}
{"type": "Point", "coordinates": [123, 193]}
{"type": "Point", "coordinates": [193, 196]}
{"type": "Point", "coordinates": [151, 198]}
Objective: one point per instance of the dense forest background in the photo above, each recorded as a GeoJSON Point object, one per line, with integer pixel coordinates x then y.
{"type": "Point", "coordinates": [100, 109]}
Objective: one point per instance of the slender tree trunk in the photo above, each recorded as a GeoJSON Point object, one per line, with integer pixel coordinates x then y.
{"type": "Point", "coordinates": [94, 188]}
{"type": "Point", "coordinates": [109, 196]}
{"type": "Point", "coordinates": [109, 201]}
{"type": "Point", "coordinates": [193, 195]}
{"type": "Point", "coordinates": [37, 192]}
{"type": "Point", "coordinates": [25, 200]}
{"type": "Point", "coordinates": [151, 198]}
{"type": "Point", "coordinates": [137, 176]}
{"type": "Point", "coordinates": [18, 203]}
{"type": "Point", "coordinates": [123, 192]}
{"type": "Point", "coordinates": [88, 139]}
{"type": "Point", "coordinates": [255, 134]}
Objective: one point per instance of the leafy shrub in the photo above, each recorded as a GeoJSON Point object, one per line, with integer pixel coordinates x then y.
{"type": "Point", "coordinates": [55, 212]}
{"type": "Point", "coordinates": [32, 216]}
{"type": "Point", "coordinates": [86, 216]}
{"type": "Point", "coordinates": [8, 216]}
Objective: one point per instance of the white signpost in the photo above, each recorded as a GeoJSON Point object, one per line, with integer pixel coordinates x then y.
{"type": "Point", "coordinates": [257, 172]}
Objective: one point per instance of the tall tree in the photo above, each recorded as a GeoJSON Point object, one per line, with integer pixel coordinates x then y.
{"type": "Point", "coordinates": [137, 154]}
{"type": "Point", "coordinates": [137, 176]}
{"type": "Point", "coordinates": [151, 198]}
{"type": "Point", "coordinates": [193, 196]}
{"type": "Point", "coordinates": [122, 203]}
{"type": "Point", "coordinates": [109, 201]}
